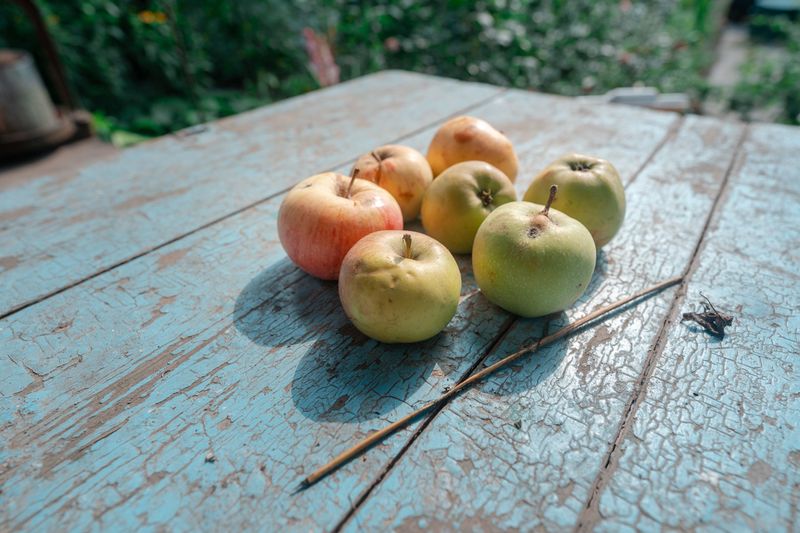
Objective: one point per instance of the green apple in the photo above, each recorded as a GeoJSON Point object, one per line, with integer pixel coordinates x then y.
{"type": "Point", "coordinates": [532, 260]}
{"type": "Point", "coordinates": [402, 171]}
{"type": "Point", "coordinates": [460, 199]}
{"type": "Point", "coordinates": [589, 190]}
{"type": "Point", "coordinates": [399, 286]}
{"type": "Point", "coordinates": [471, 139]}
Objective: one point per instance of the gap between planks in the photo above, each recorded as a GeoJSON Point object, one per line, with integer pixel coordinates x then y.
{"type": "Point", "coordinates": [668, 135]}
{"type": "Point", "coordinates": [590, 515]}
{"type": "Point", "coordinates": [19, 307]}
{"type": "Point", "coordinates": [426, 422]}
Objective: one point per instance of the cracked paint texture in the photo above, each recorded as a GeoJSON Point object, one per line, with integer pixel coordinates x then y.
{"type": "Point", "coordinates": [193, 375]}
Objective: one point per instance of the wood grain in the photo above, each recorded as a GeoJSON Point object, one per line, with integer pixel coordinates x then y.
{"type": "Point", "coordinates": [64, 160]}
{"type": "Point", "coordinates": [60, 230]}
{"type": "Point", "coordinates": [120, 391]}
{"type": "Point", "coordinates": [716, 443]}
{"type": "Point", "coordinates": [192, 386]}
{"type": "Point", "coordinates": [523, 451]}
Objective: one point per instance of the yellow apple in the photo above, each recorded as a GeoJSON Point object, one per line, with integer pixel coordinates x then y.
{"type": "Point", "coordinates": [402, 171]}
{"type": "Point", "coordinates": [399, 286]}
{"type": "Point", "coordinates": [460, 199]}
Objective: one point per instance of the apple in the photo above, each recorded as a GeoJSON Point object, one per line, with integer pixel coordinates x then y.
{"type": "Point", "coordinates": [532, 260]}
{"type": "Point", "coordinates": [589, 190]}
{"type": "Point", "coordinates": [323, 216]}
{"type": "Point", "coordinates": [471, 139]}
{"type": "Point", "coordinates": [402, 171]}
{"type": "Point", "coordinates": [399, 286]}
{"type": "Point", "coordinates": [460, 199]}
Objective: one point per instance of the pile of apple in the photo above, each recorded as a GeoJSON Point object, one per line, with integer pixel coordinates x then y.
{"type": "Point", "coordinates": [532, 257]}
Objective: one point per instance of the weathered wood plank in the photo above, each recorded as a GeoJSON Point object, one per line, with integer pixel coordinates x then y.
{"type": "Point", "coordinates": [716, 442]}
{"type": "Point", "coordinates": [58, 231]}
{"type": "Point", "coordinates": [64, 160]}
{"type": "Point", "coordinates": [138, 375]}
{"type": "Point", "coordinates": [523, 450]}
{"type": "Point", "coordinates": [116, 389]}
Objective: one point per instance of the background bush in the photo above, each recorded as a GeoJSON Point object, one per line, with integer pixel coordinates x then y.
{"type": "Point", "coordinates": [567, 47]}
{"type": "Point", "coordinates": [151, 67]}
{"type": "Point", "coordinates": [770, 84]}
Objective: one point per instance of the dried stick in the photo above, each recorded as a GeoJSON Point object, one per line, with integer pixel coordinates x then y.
{"type": "Point", "coordinates": [379, 435]}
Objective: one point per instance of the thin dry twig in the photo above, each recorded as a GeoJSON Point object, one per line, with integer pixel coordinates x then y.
{"type": "Point", "coordinates": [379, 435]}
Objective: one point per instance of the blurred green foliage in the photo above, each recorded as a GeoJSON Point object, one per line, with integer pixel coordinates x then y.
{"type": "Point", "coordinates": [153, 66]}
{"type": "Point", "coordinates": [771, 80]}
{"type": "Point", "coordinates": [156, 66]}
{"type": "Point", "coordinates": [563, 46]}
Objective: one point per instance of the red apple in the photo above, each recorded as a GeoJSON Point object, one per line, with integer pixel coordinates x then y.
{"type": "Point", "coordinates": [323, 216]}
{"type": "Point", "coordinates": [471, 139]}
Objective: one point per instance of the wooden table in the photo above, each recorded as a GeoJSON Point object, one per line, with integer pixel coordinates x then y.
{"type": "Point", "coordinates": [165, 366]}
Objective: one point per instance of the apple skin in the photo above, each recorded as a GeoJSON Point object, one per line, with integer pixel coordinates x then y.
{"type": "Point", "coordinates": [402, 171]}
{"type": "Point", "coordinates": [460, 199]}
{"type": "Point", "coordinates": [318, 223]}
{"type": "Point", "coordinates": [532, 264]}
{"type": "Point", "coordinates": [589, 190]}
{"type": "Point", "coordinates": [470, 139]}
{"type": "Point", "coordinates": [393, 298]}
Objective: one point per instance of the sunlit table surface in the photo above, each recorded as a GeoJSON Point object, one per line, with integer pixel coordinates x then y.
{"type": "Point", "coordinates": [163, 366]}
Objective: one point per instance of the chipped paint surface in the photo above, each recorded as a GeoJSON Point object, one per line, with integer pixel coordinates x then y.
{"type": "Point", "coordinates": [192, 386]}
{"type": "Point", "coordinates": [716, 441]}
{"type": "Point", "coordinates": [66, 228]}
{"type": "Point", "coordinates": [571, 395]}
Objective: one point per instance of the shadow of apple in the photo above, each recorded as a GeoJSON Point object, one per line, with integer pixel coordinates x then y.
{"type": "Point", "coordinates": [532, 369]}
{"type": "Point", "coordinates": [346, 377]}
{"type": "Point", "coordinates": [598, 277]}
{"type": "Point", "coordinates": [268, 310]}
{"type": "Point", "coordinates": [341, 374]}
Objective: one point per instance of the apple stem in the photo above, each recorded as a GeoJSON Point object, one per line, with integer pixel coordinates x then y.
{"type": "Point", "coordinates": [407, 242]}
{"type": "Point", "coordinates": [553, 191]}
{"type": "Point", "coordinates": [353, 176]}
{"type": "Point", "coordinates": [379, 174]}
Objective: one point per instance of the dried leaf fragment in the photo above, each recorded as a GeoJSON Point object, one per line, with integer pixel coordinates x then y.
{"type": "Point", "coordinates": [713, 321]}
